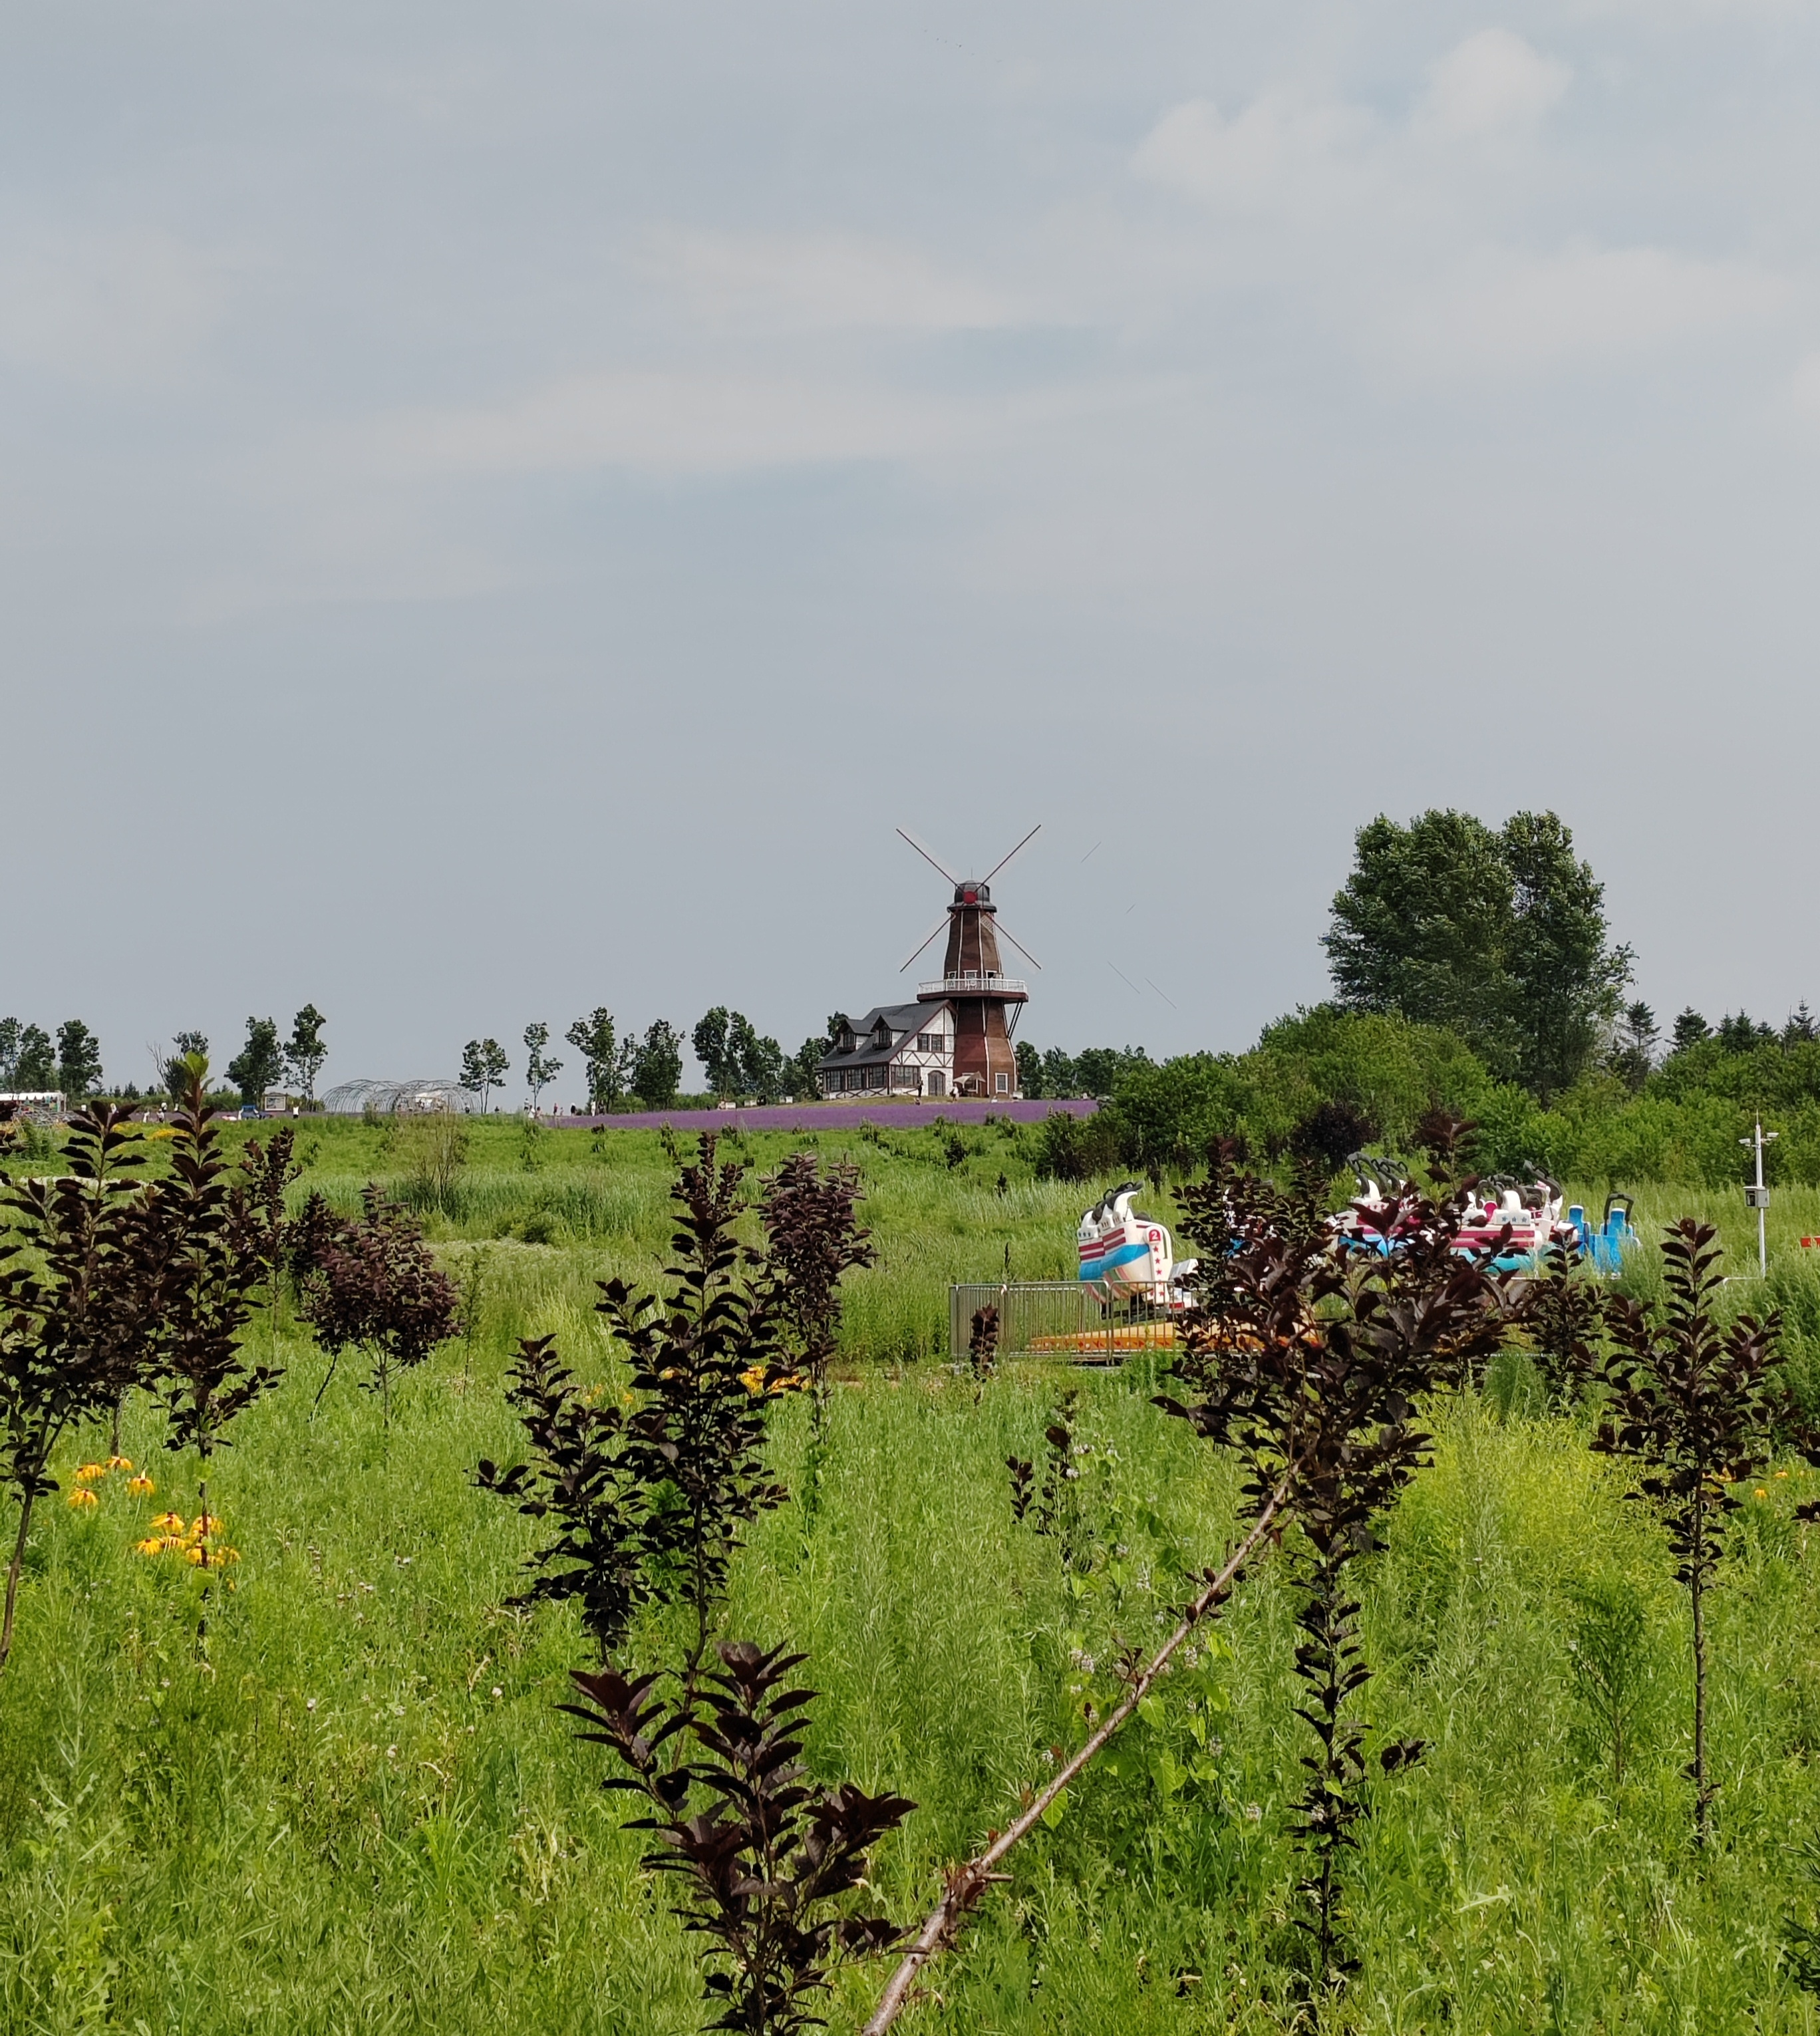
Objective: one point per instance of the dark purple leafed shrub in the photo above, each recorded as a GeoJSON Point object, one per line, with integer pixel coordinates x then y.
{"type": "Point", "coordinates": [371, 1284]}
{"type": "Point", "coordinates": [767, 1860]}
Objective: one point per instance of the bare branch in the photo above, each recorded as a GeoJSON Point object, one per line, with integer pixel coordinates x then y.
{"type": "Point", "coordinates": [967, 1884]}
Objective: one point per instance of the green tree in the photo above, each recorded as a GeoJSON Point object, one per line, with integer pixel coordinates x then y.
{"type": "Point", "coordinates": [1566, 975]}
{"type": "Point", "coordinates": [1060, 1077]}
{"type": "Point", "coordinates": [36, 1070]}
{"type": "Point", "coordinates": [484, 1066]}
{"type": "Point", "coordinates": [260, 1064]}
{"type": "Point", "coordinates": [539, 1071]}
{"type": "Point", "coordinates": [78, 1060]}
{"type": "Point", "coordinates": [1633, 1048]}
{"type": "Point", "coordinates": [1098, 1070]}
{"type": "Point", "coordinates": [1029, 1069]}
{"type": "Point", "coordinates": [596, 1039]}
{"type": "Point", "coordinates": [305, 1051]}
{"type": "Point", "coordinates": [10, 1029]}
{"type": "Point", "coordinates": [657, 1068]}
{"type": "Point", "coordinates": [802, 1076]}
{"type": "Point", "coordinates": [174, 1067]}
{"type": "Point", "coordinates": [1500, 938]}
{"type": "Point", "coordinates": [1689, 1029]}
{"type": "Point", "coordinates": [716, 1051]}
{"type": "Point", "coordinates": [1422, 927]}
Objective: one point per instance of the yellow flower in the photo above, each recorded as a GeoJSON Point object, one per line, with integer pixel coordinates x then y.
{"type": "Point", "coordinates": [792, 1382]}
{"type": "Point", "coordinates": [171, 1523]}
{"type": "Point", "coordinates": [196, 1556]}
{"type": "Point", "coordinates": [91, 1473]}
{"type": "Point", "coordinates": [1782, 1473]}
{"type": "Point", "coordinates": [156, 1545]}
{"type": "Point", "coordinates": [205, 1523]}
{"type": "Point", "coordinates": [141, 1486]}
{"type": "Point", "coordinates": [1762, 1493]}
{"type": "Point", "coordinates": [119, 1463]}
{"type": "Point", "coordinates": [82, 1496]}
{"type": "Point", "coordinates": [753, 1381]}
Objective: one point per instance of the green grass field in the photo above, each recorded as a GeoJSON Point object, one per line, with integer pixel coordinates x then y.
{"type": "Point", "coordinates": [364, 1813]}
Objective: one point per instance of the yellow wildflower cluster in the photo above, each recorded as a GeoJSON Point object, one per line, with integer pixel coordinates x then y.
{"type": "Point", "coordinates": [92, 1474]}
{"type": "Point", "coordinates": [171, 1537]}
{"type": "Point", "coordinates": [753, 1381]}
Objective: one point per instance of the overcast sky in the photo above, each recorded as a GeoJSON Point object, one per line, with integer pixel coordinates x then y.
{"type": "Point", "coordinates": [505, 509]}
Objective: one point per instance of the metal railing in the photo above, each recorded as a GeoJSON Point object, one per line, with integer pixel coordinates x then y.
{"type": "Point", "coordinates": [1071, 1318]}
{"type": "Point", "coordinates": [973, 983]}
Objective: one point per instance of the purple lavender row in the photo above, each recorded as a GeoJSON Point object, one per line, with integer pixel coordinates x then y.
{"type": "Point", "coordinates": [830, 1116]}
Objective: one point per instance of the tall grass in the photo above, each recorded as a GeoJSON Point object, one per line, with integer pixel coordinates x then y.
{"type": "Point", "coordinates": [335, 1823]}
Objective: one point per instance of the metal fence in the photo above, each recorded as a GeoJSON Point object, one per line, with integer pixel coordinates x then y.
{"type": "Point", "coordinates": [1077, 1318]}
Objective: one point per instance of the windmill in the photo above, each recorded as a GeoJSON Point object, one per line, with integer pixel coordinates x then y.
{"type": "Point", "coordinates": [986, 1002]}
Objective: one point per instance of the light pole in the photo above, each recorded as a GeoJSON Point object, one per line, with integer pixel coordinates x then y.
{"type": "Point", "coordinates": [1758, 1197]}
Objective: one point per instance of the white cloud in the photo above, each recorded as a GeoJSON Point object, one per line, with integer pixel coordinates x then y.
{"type": "Point", "coordinates": [1493, 83]}
{"type": "Point", "coordinates": [122, 307]}
{"type": "Point", "coordinates": [669, 421]}
{"type": "Point", "coordinates": [819, 282]}
{"type": "Point", "coordinates": [1507, 309]}
{"type": "Point", "coordinates": [1283, 151]}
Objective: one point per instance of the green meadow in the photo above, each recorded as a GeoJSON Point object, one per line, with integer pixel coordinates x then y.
{"type": "Point", "coordinates": [362, 1811]}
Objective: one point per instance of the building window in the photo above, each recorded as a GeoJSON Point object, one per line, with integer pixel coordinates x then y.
{"type": "Point", "coordinates": [1001, 1085]}
{"type": "Point", "coordinates": [929, 1043]}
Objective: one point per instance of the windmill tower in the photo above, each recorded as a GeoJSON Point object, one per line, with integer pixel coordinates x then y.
{"type": "Point", "coordinates": [986, 1001]}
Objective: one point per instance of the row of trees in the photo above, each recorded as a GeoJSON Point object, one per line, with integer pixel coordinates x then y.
{"type": "Point", "coordinates": [649, 1068]}
{"type": "Point", "coordinates": [267, 1060]}
{"type": "Point", "coordinates": [1093, 1071]}
{"type": "Point", "coordinates": [29, 1060]}
{"type": "Point", "coordinates": [737, 1059]}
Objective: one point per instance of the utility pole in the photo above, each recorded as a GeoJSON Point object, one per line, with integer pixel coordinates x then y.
{"type": "Point", "coordinates": [1758, 1197]}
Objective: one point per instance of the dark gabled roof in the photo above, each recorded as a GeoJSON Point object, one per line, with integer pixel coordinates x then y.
{"type": "Point", "coordinates": [903, 1021]}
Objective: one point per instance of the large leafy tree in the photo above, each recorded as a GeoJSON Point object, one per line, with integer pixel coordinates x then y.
{"type": "Point", "coordinates": [484, 1066]}
{"type": "Point", "coordinates": [657, 1068]}
{"type": "Point", "coordinates": [306, 1050]}
{"type": "Point", "coordinates": [716, 1051]}
{"type": "Point", "coordinates": [1565, 976]}
{"type": "Point", "coordinates": [78, 1060]}
{"type": "Point", "coordinates": [35, 1068]}
{"type": "Point", "coordinates": [1422, 927]}
{"type": "Point", "coordinates": [540, 1071]}
{"type": "Point", "coordinates": [260, 1064]}
{"type": "Point", "coordinates": [596, 1039]}
{"type": "Point", "coordinates": [737, 1059]}
{"type": "Point", "coordinates": [1499, 936]}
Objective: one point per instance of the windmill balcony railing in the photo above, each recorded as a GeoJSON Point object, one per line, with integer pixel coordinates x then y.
{"type": "Point", "coordinates": [975, 983]}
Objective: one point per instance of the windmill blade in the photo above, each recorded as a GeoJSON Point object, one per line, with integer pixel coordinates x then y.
{"type": "Point", "coordinates": [934, 865]}
{"type": "Point", "coordinates": [1000, 864]}
{"type": "Point", "coordinates": [1000, 927]}
{"type": "Point", "coordinates": [927, 938]}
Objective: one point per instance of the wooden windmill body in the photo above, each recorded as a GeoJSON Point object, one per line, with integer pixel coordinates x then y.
{"type": "Point", "coordinates": [986, 1003]}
